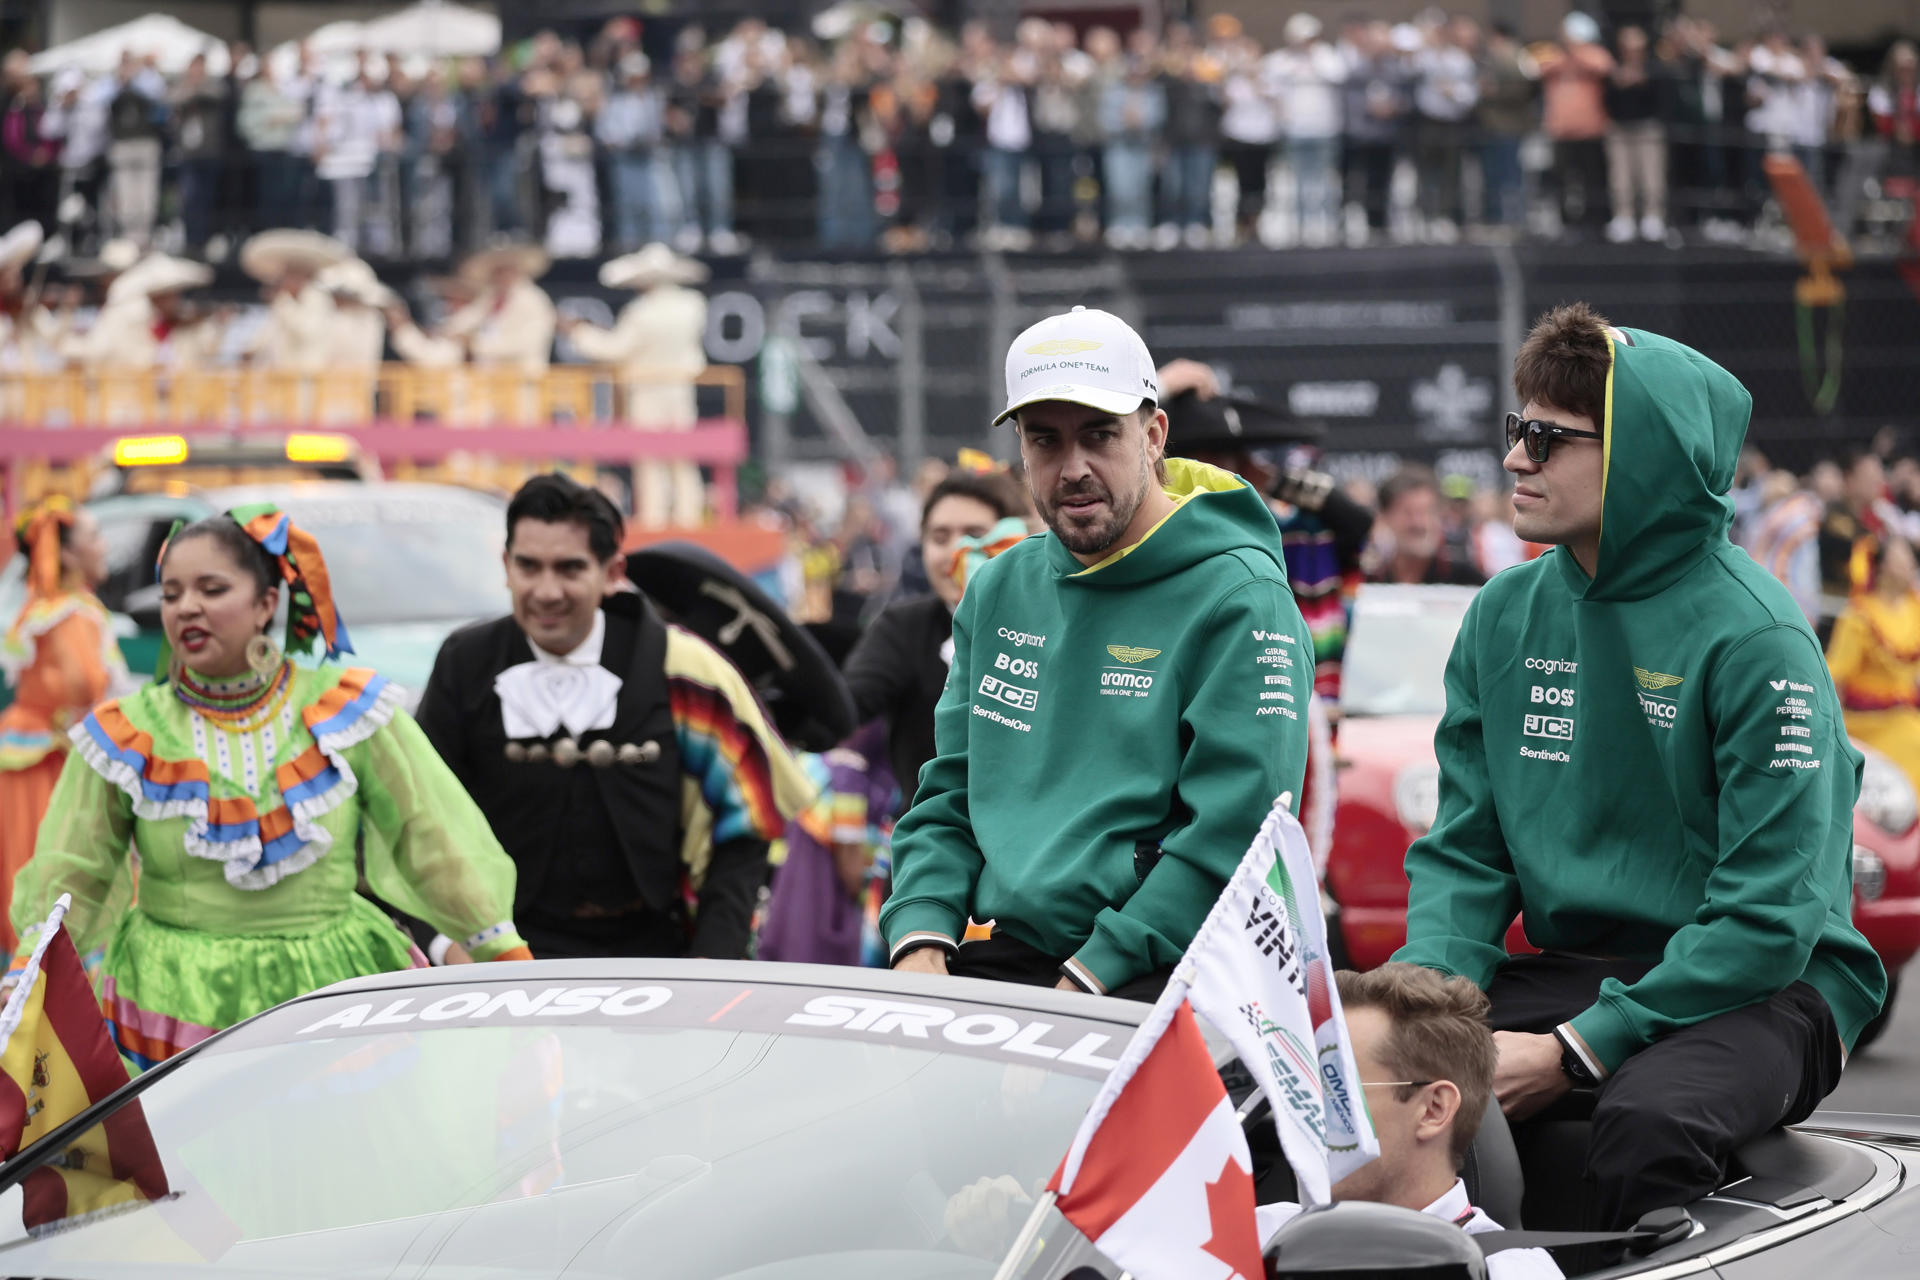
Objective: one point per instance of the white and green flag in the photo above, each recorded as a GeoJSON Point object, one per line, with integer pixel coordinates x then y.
{"type": "Point", "coordinates": [1258, 970]}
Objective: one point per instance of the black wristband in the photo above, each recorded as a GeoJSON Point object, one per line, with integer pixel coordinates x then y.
{"type": "Point", "coordinates": [1572, 1064]}
{"type": "Point", "coordinates": [911, 945]}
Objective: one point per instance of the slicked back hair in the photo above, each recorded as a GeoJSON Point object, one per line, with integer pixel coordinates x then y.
{"type": "Point", "coordinates": [1439, 1032]}
{"type": "Point", "coordinates": [557, 499]}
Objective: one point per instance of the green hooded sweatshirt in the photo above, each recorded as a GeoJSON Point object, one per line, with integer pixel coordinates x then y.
{"type": "Point", "coordinates": [1649, 762]}
{"type": "Point", "coordinates": [1110, 738]}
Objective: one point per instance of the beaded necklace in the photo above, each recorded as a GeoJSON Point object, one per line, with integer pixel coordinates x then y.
{"type": "Point", "coordinates": [240, 705]}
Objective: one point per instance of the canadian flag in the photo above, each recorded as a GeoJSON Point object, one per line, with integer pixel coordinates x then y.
{"type": "Point", "coordinates": [1159, 1177]}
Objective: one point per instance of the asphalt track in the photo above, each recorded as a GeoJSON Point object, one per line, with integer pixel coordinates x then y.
{"type": "Point", "coordinates": [1887, 1076]}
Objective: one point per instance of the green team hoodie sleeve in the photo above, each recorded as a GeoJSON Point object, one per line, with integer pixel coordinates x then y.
{"type": "Point", "coordinates": [1462, 892]}
{"type": "Point", "coordinates": [1236, 761]}
{"type": "Point", "coordinates": [935, 858]}
{"type": "Point", "coordinates": [1767, 896]}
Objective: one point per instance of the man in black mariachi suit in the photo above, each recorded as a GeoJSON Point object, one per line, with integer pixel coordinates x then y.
{"type": "Point", "coordinates": [620, 761]}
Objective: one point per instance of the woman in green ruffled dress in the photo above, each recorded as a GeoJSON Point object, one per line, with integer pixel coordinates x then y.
{"type": "Point", "coordinates": [247, 782]}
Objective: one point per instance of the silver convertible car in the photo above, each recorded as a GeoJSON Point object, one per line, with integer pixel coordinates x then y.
{"type": "Point", "coordinates": [699, 1120]}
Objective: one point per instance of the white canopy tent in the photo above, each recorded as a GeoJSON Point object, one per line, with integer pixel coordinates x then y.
{"type": "Point", "coordinates": [171, 42]}
{"type": "Point", "coordinates": [435, 30]}
{"type": "Point", "coordinates": [412, 37]}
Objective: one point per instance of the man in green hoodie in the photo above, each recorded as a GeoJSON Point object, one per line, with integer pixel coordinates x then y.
{"type": "Point", "coordinates": [1643, 754]}
{"type": "Point", "coordinates": [1127, 695]}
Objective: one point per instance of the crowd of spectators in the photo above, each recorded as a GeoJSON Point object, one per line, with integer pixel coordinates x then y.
{"type": "Point", "coordinates": [898, 137]}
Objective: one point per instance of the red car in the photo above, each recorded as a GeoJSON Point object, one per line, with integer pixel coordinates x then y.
{"type": "Point", "coordinates": [1391, 698]}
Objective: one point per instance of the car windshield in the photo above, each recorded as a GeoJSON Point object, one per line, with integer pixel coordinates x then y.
{"type": "Point", "coordinates": [1397, 646]}
{"type": "Point", "coordinates": [683, 1129]}
{"type": "Point", "coordinates": [407, 556]}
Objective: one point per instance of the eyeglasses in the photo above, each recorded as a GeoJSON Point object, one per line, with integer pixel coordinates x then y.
{"type": "Point", "coordinates": [1396, 1084]}
{"type": "Point", "coordinates": [1540, 435]}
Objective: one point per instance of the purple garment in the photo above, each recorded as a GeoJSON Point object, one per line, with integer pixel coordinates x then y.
{"type": "Point", "coordinates": [811, 920]}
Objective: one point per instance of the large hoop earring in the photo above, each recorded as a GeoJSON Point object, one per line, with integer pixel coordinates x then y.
{"type": "Point", "coordinates": [263, 655]}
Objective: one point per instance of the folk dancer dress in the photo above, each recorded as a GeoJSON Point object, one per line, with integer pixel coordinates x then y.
{"type": "Point", "coordinates": [60, 657]}
{"type": "Point", "coordinates": [1875, 659]}
{"type": "Point", "coordinates": [247, 799]}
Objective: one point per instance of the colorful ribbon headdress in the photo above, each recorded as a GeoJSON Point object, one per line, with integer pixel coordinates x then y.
{"type": "Point", "coordinates": [38, 530]}
{"type": "Point", "coordinates": [970, 553]}
{"type": "Point", "coordinates": [310, 609]}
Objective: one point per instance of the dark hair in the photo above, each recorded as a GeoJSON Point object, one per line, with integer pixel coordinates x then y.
{"type": "Point", "coordinates": [20, 537]}
{"type": "Point", "coordinates": [1408, 479]}
{"type": "Point", "coordinates": [240, 548]}
{"type": "Point", "coordinates": [990, 488]}
{"type": "Point", "coordinates": [1565, 361]}
{"type": "Point", "coordinates": [1438, 1031]}
{"type": "Point", "coordinates": [557, 499]}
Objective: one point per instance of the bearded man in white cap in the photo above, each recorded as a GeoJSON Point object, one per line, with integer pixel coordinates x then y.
{"type": "Point", "coordinates": [1127, 695]}
{"type": "Point", "coordinates": [659, 344]}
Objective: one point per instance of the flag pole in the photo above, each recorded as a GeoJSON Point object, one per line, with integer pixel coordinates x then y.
{"type": "Point", "coordinates": [17, 998]}
{"type": "Point", "coordinates": [1010, 1266]}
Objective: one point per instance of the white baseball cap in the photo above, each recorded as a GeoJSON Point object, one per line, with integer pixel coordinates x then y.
{"type": "Point", "coordinates": [1084, 357]}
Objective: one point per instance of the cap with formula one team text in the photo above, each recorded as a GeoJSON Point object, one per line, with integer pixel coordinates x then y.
{"type": "Point", "coordinates": [1087, 357]}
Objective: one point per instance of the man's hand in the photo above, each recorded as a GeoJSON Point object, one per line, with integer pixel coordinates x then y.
{"type": "Point", "coordinates": [923, 960]}
{"type": "Point", "coordinates": [1528, 1076]}
{"type": "Point", "coordinates": [983, 1217]}
{"type": "Point", "coordinates": [1179, 376]}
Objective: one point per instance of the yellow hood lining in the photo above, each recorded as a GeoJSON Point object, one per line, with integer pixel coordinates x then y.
{"type": "Point", "coordinates": [1186, 479]}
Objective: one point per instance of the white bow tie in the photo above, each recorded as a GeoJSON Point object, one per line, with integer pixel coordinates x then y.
{"type": "Point", "coordinates": [537, 698]}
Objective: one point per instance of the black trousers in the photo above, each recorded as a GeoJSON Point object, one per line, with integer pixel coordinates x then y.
{"type": "Point", "coordinates": [1002, 958]}
{"type": "Point", "coordinates": [1665, 1122]}
{"type": "Point", "coordinates": [633, 933]}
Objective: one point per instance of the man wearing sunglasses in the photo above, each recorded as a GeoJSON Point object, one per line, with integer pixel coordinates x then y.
{"type": "Point", "coordinates": [1642, 754]}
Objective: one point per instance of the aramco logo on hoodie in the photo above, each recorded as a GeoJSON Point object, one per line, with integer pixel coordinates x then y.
{"type": "Point", "coordinates": [1660, 712]}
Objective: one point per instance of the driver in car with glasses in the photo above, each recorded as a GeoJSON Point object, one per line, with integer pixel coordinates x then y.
{"type": "Point", "coordinates": [1642, 754]}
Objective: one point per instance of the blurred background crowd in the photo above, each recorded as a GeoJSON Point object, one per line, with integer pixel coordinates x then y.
{"type": "Point", "coordinates": [890, 133]}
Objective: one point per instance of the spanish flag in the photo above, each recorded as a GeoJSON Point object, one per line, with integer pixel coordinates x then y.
{"type": "Point", "coordinates": [57, 1061]}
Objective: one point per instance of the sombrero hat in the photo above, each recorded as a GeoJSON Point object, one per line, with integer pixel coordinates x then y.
{"type": "Point", "coordinates": [271, 254]}
{"type": "Point", "coordinates": [18, 246]}
{"type": "Point", "coordinates": [793, 675]}
{"type": "Point", "coordinates": [357, 281]}
{"type": "Point", "coordinates": [655, 264]}
{"type": "Point", "coordinates": [159, 273]}
{"type": "Point", "coordinates": [530, 260]}
{"type": "Point", "coordinates": [1230, 423]}
{"type": "Point", "coordinates": [115, 256]}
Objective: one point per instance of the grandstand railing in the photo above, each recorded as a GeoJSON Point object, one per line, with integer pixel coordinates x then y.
{"type": "Point", "coordinates": [398, 413]}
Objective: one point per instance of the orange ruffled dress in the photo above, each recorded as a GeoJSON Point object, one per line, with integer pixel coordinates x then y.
{"type": "Point", "coordinates": [61, 659]}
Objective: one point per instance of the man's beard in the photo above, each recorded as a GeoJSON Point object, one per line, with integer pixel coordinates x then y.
{"type": "Point", "coordinates": [1086, 537]}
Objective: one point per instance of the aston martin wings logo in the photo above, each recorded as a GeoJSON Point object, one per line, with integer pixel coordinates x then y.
{"type": "Point", "coordinates": [1063, 347]}
{"type": "Point", "coordinates": [1655, 680]}
{"type": "Point", "coordinates": [1127, 653]}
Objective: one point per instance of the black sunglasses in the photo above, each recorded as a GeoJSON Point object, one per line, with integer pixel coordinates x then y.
{"type": "Point", "coordinates": [1540, 435]}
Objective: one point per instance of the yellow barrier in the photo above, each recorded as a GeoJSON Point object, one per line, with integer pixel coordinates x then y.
{"type": "Point", "coordinates": [397, 393]}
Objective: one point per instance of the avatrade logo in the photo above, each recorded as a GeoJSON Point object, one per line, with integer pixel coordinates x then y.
{"type": "Point", "coordinates": [1781, 686]}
